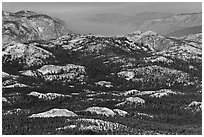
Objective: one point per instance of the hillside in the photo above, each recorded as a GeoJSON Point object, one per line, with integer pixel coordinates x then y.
{"type": "Point", "coordinates": [67, 84]}
{"type": "Point", "coordinates": [24, 26]}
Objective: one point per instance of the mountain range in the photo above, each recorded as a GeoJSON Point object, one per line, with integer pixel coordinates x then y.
{"type": "Point", "coordinates": [55, 81]}
{"type": "Point", "coordinates": [162, 23]}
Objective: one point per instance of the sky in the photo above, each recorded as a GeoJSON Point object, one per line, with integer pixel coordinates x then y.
{"type": "Point", "coordinates": [75, 14]}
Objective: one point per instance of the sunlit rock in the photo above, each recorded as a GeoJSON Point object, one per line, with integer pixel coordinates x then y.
{"type": "Point", "coordinates": [55, 113]}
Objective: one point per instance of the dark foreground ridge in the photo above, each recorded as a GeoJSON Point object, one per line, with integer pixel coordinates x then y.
{"type": "Point", "coordinates": [140, 83]}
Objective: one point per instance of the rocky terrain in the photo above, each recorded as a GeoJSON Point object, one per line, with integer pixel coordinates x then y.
{"type": "Point", "coordinates": [58, 82]}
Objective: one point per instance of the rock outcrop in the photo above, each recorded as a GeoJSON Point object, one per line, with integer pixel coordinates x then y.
{"type": "Point", "coordinates": [55, 113]}
{"type": "Point", "coordinates": [63, 74]}
{"type": "Point", "coordinates": [48, 96]}
{"type": "Point", "coordinates": [100, 111]}
{"type": "Point", "coordinates": [131, 102]}
{"type": "Point", "coordinates": [20, 56]}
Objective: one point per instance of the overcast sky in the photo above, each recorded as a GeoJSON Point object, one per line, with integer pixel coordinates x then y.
{"type": "Point", "coordinates": [74, 13]}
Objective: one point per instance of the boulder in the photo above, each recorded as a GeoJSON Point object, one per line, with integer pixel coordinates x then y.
{"type": "Point", "coordinates": [55, 113]}
{"type": "Point", "coordinates": [100, 111]}
{"type": "Point", "coordinates": [131, 102]}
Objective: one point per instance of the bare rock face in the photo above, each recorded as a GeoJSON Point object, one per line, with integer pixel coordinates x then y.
{"type": "Point", "coordinates": [101, 111]}
{"type": "Point", "coordinates": [63, 74]}
{"type": "Point", "coordinates": [48, 96]}
{"type": "Point", "coordinates": [27, 25]}
{"type": "Point", "coordinates": [55, 113]}
{"type": "Point", "coordinates": [20, 56]}
{"type": "Point", "coordinates": [131, 102]}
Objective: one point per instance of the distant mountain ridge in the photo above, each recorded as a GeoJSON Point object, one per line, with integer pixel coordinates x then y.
{"type": "Point", "coordinates": [162, 23]}
{"type": "Point", "coordinates": [173, 23]}
{"type": "Point", "coordinates": [23, 26]}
